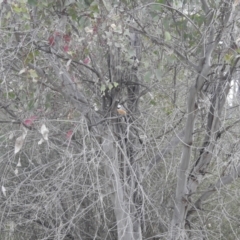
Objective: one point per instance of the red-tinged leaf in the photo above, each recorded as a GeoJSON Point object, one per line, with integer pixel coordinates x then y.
{"type": "Point", "coordinates": [29, 121]}
{"type": "Point", "coordinates": [51, 40]}
{"type": "Point", "coordinates": [86, 60]}
{"type": "Point", "coordinates": [66, 48]}
{"type": "Point", "coordinates": [66, 38]}
{"type": "Point", "coordinates": [69, 134]}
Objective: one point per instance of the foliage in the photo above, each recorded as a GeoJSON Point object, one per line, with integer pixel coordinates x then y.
{"type": "Point", "coordinates": [73, 166]}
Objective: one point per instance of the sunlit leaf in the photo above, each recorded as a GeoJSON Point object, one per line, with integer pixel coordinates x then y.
{"type": "Point", "coordinates": [228, 57]}
{"type": "Point", "coordinates": [113, 26]}
{"type": "Point", "coordinates": [33, 73]}
{"type": "Point", "coordinates": [19, 143]}
{"type": "Point", "coordinates": [88, 30]}
{"type": "Point", "coordinates": [40, 141]}
{"type": "Point", "coordinates": [11, 135]}
{"type": "Point", "coordinates": [68, 62]}
{"type": "Point", "coordinates": [4, 191]}
{"type": "Point", "coordinates": [17, 9]}
{"type": "Point", "coordinates": [44, 131]}
{"type": "Point", "coordinates": [115, 84]}
{"type": "Point", "coordinates": [103, 88]}
{"type": "Point", "coordinates": [19, 163]}
{"type": "Point", "coordinates": [22, 71]}
{"type": "Point", "coordinates": [110, 86]}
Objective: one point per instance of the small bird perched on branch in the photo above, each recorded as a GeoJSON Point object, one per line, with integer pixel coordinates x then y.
{"type": "Point", "coordinates": [121, 110]}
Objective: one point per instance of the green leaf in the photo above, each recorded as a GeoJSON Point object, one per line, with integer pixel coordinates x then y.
{"type": "Point", "coordinates": [31, 56]}
{"type": "Point", "coordinates": [11, 95]}
{"type": "Point", "coordinates": [94, 8]}
{"type": "Point", "coordinates": [88, 2]}
{"type": "Point", "coordinates": [115, 84]}
{"type": "Point", "coordinates": [167, 36]}
{"type": "Point", "coordinates": [158, 73]}
{"type": "Point", "coordinates": [152, 102]}
{"type": "Point", "coordinates": [148, 76]}
{"type": "Point", "coordinates": [33, 73]}
{"type": "Point", "coordinates": [32, 2]}
{"type": "Point", "coordinates": [145, 64]}
{"type": "Point", "coordinates": [228, 57]}
{"type": "Point", "coordinates": [17, 9]}
{"type": "Point", "coordinates": [73, 13]}
{"type": "Point", "coordinates": [103, 88]}
{"type": "Point", "coordinates": [110, 86]}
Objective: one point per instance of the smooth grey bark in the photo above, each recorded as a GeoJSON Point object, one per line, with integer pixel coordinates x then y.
{"type": "Point", "coordinates": [215, 113]}
{"type": "Point", "coordinates": [183, 190]}
{"type": "Point", "coordinates": [120, 206]}
{"type": "Point", "coordinates": [212, 34]}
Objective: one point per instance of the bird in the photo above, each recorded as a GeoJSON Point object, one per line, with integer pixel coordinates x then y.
{"type": "Point", "coordinates": [121, 110]}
